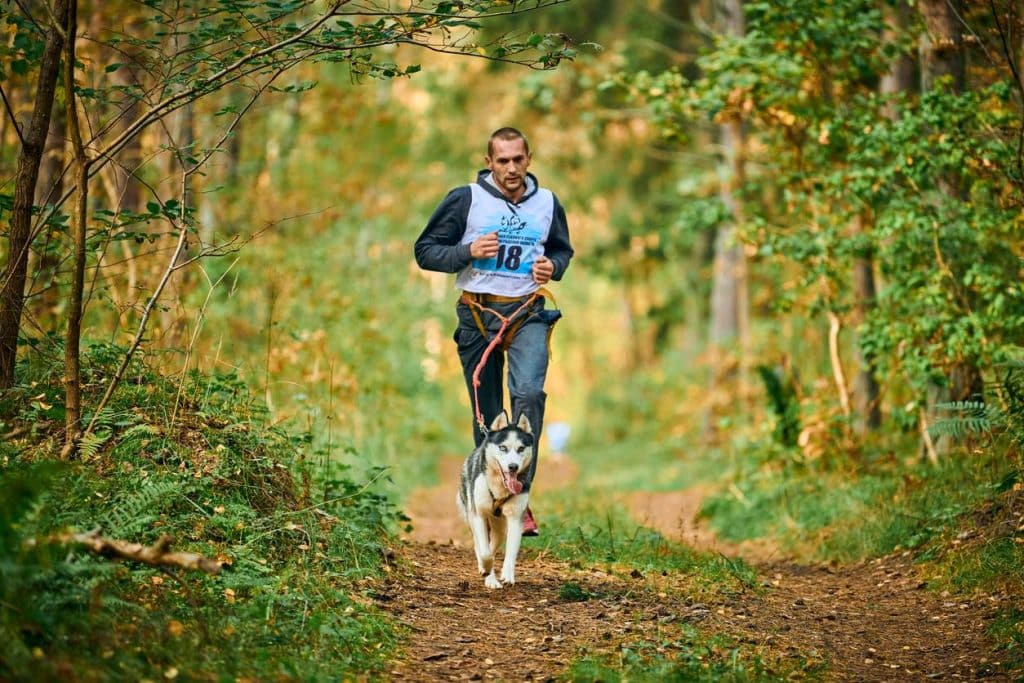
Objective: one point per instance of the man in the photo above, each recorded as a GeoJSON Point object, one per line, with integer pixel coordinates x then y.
{"type": "Point", "coordinates": [505, 237]}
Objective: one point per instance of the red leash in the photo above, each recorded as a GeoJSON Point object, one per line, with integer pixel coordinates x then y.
{"type": "Point", "coordinates": [490, 347]}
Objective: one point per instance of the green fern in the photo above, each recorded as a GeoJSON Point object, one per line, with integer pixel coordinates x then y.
{"type": "Point", "coordinates": [132, 513]}
{"type": "Point", "coordinates": [968, 418]}
{"type": "Point", "coordinates": [1013, 395]}
{"type": "Point", "coordinates": [104, 419]}
{"type": "Point", "coordinates": [976, 417]}
{"type": "Point", "coordinates": [783, 403]}
{"type": "Point", "coordinates": [104, 426]}
{"type": "Point", "coordinates": [91, 444]}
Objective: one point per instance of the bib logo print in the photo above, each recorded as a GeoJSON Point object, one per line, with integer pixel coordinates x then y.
{"type": "Point", "coordinates": [512, 223]}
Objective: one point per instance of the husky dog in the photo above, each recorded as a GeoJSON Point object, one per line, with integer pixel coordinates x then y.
{"type": "Point", "coordinates": [491, 496]}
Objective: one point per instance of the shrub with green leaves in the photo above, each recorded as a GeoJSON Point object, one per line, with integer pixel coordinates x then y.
{"type": "Point", "coordinates": [297, 549]}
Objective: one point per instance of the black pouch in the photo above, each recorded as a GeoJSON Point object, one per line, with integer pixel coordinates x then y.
{"type": "Point", "coordinates": [549, 315]}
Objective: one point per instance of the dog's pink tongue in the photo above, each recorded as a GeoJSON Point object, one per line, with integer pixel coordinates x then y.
{"type": "Point", "coordinates": [513, 484]}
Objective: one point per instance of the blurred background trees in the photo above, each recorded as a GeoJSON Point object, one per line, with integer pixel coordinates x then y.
{"type": "Point", "coordinates": [791, 218]}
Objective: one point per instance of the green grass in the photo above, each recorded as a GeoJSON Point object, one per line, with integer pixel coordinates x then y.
{"type": "Point", "coordinates": [682, 652]}
{"type": "Point", "coordinates": [1008, 630]}
{"type": "Point", "coordinates": [854, 512]}
{"type": "Point", "coordinates": [302, 547]}
{"type": "Point", "coordinates": [988, 557]}
{"type": "Point", "coordinates": [583, 530]}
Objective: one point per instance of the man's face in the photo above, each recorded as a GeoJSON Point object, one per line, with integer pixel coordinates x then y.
{"type": "Point", "coordinates": [508, 163]}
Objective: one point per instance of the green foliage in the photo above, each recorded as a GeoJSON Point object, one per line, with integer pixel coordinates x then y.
{"type": "Point", "coordinates": [784, 405]}
{"type": "Point", "coordinates": [972, 417]}
{"type": "Point", "coordinates": [883, 506]}
{"type": "Point", "coordinates": [613, 539]}
{"type": "Point", "coordinates": [1000, 421]}
{"type": "Point", "coordinates": [573, 592]}
{"type": "Point", "coordinates": [684, 653]}
{"type": "Point", "coordinates": [220, 483]}
{"type": "Point", "coordinates": [1008, 628]}
{"type": "Point", "coordinates": [928, 187]}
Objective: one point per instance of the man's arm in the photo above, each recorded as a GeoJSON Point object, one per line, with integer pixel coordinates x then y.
{"type": "Point", "coordinates": [438, 246]}
{"type": "Point", "coordinates": [557, 248]}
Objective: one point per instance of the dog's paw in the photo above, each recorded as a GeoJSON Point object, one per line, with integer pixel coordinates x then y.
{"type": "Point", "coordinates": [491, 581]}
{"type": "Point", "coordinates": [508, 578]}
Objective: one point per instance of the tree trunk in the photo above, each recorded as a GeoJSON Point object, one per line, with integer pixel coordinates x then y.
{"type": "Point", "coordinates": [49, 188]}
{"type": "Point", "coordinates": [866, 394]}
{"type": "Point", "coordinates": [51, 182]}
{"type": "Point", "coordinates": [944, 64]}
{"type": "Point", "coordinates": [942, 46]}
{"type": "Point", "coordinates": [72, 359]}
{"type": "Point", "coordinates": [728, 309]}
{"type": "Point", "coordinates": [899, 78]}
{"type": "Point", "coordinates": [12, 284]}
{"type": "Point", "coordinates": [120, 179]}
{"type": "Point", "coordinates": [172, 318]}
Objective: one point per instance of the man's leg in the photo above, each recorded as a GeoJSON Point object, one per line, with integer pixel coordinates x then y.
{"type": "Point", "coordinates": [471, 346]}
{"type": "Point", "coordinates": [527, 371]}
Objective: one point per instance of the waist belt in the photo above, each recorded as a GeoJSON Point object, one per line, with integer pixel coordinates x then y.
{"type": "Point", "coordinates": [477, 303]}
{"type": "Point", "coordinates": [482, 298]}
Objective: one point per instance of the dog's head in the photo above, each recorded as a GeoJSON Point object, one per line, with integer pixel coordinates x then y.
{"type": "Point", "coordinates": [509, 448]}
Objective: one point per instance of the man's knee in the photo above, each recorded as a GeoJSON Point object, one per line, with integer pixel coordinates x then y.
{"type": "Point", "coordinates": [530, 402]}
{"type": "Point", "coordinates": [530, 396]}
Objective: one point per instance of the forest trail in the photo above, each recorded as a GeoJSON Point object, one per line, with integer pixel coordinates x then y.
{"type": "Point", "coordinates": [872, 621]}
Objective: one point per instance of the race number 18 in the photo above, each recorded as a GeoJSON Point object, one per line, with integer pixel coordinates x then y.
{"type": "Point", "coordinates": [509, 258]}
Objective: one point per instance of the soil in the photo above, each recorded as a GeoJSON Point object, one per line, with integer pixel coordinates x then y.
{"type": "Point", "coordinates": [872, 621]}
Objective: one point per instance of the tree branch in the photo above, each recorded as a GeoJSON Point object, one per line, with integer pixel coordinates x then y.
{"type": "Point", "coordinates": [10, 113]}
{"type": "Point", "coordinates": [173, 265]}
{"type": "Point", "coordinates": [174, 102]}
{"type": "Point", "coordinates": [157, 555]}
{"type": "Point", "coordinates": [834, 326]}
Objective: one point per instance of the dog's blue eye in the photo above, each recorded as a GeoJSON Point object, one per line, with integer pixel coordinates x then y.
{"type": "Point", "coordinates": [520, 449]}
{"type": "Point", "coordinates": [504, 449]}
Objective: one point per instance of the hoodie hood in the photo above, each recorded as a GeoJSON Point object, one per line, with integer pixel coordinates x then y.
{"type": "Point", "coordinates": [485, 179]}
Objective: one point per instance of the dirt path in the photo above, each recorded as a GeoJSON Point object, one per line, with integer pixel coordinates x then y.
{"type": "Point", "coordinates": [869, 622]}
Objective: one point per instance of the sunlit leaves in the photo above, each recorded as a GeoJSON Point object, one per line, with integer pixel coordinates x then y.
{"type": "Point", "coordinates": [834, 177]}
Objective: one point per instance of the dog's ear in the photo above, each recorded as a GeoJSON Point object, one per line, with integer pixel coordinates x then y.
{"type": "Point", "coordinates": [524, 424]}
{"type": "Point", "coordinates": [500, 421]}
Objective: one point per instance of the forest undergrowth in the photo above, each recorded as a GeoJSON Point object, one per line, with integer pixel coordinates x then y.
{"type": "Point", "coordinates": [309, 548]}
{"type": "Point", "coordinates": [195, 459]}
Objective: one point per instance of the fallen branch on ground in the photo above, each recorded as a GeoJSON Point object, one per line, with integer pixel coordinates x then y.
{"type": "Point", "coordinates": [158, 555]}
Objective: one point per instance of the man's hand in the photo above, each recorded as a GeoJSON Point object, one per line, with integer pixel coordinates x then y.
{"type": "Point", "coordinates": [543, 269]}
{"type": "Point", "coordinates": [485, 246]}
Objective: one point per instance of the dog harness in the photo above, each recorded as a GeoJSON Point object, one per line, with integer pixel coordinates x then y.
{"type": "Point", "coordinates": [496, 504]}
